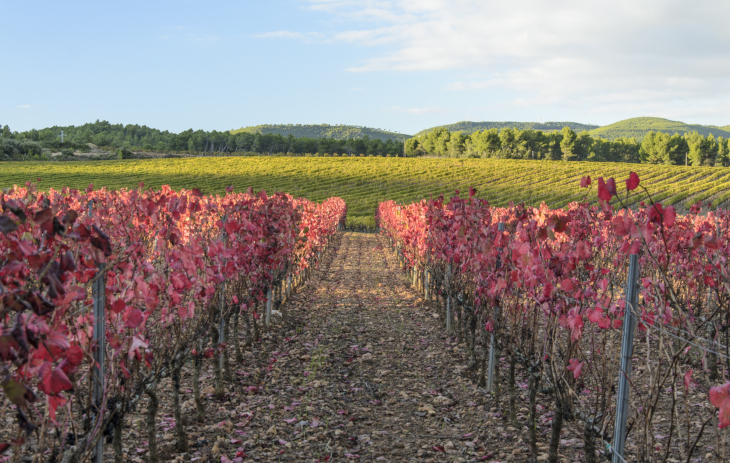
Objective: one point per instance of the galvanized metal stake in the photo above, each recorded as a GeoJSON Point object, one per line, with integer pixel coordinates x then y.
{"type": "Point", "coordinates": [98, 292]}
{"type": "Point", "coordinates": [448, 300]}
{"type": "Point", "coordinates": [427, 295]}
{"type": "Point", "coordinates": [222, 323]}
{"type": "Point", "coordinates": [627, 350]}
{"type": "Point", "coordinates": [492, 345]}
{"type": "Point", "coordinates": [268, 307]}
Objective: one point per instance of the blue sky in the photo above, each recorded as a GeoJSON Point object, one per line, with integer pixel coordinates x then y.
{"type": "Point", "coordinates": [400, 65]}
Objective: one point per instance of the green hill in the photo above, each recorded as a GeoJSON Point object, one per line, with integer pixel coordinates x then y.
{"type": "Point", "coordinates": [638, 127]}
{"type": "Point", "coordinates": [468, 127]}
{"type": "Point", "coordinates": [338, 132]}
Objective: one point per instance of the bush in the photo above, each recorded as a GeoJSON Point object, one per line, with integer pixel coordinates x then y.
{"type": "Point", "coordinates": [124, 153]}
{"type": "Point", "coordinates": [19, 149]}
{"type": "Point", "coordinates": [67, 152]}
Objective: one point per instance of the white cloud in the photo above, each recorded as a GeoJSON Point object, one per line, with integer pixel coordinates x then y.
{"type": "Point", "coordinates": [23, 106]}
{"type": "Point", "coordinates": [660, 56]}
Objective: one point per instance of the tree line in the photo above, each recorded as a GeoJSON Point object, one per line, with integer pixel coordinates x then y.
{"type": "Point", "coordinates": [29, 144]}
{"type": "Point", "coordinates": [567, 145]}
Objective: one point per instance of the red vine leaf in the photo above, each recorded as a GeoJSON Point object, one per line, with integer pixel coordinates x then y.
{"type": "Point", "coordinates": [53, 380]}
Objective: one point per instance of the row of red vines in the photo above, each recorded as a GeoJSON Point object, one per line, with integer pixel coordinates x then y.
{"type": "Point", "coordinates": [175, 263]}
{"type": "Point", "coordinates": [550, 288]}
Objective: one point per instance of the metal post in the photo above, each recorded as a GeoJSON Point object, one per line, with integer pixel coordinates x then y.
{"type": "Point", "coordinates": [627, 350]}
{"type": "Point", "coordinates": [448, 313]}
{"type": "Point", "coordinates": [492, 345]}
{"type": "Point", "coordinates": [268, 307]}
{"type": "Point", "coordinates": [427, 295]}
{"type": "Point", "coordinates": [288, 286]}
{"type": "Point", "coordinates": [221, 323]}
{"type": "Point", "coordinates": [448, 300]}
{"type": "Point", "coordinates": [98, 292]}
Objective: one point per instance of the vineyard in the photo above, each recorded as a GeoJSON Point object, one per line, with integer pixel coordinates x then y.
{"type": "Point", "coordinates": [365, 182]}
{"type": "Point", "coordinates": [203, 324]}
{"type": "Point", "coordinates": [553, 292]}
{"type": "Point", "coordinates": [167, 273]}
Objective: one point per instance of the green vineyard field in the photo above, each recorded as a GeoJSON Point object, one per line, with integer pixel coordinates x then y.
{"type": "Point", "coordinates": [363, 182]}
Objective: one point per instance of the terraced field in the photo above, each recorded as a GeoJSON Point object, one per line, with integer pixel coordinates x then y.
{"type": "Point", "coordinates": [363, 182]}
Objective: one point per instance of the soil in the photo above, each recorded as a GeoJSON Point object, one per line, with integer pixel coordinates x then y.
{"type": "Point", "coordinates": [358, 367]}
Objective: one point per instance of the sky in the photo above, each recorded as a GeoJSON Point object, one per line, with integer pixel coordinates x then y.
{"type": "Point", "coordinates": [401, 65]}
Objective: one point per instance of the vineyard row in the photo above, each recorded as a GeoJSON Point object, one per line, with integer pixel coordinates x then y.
{"type": "Point", "coordinates": [545, 289]}
{"type": "Point", "coordinates": [172, 269]}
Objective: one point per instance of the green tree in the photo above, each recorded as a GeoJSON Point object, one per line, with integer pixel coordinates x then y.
{"type": "Point", "coordinates": [723, 156]}
{"type": "Point", "coordinates": [412, 147]}
{"type": "Point", "coordinates": [99, 139]}
{"type": "Point", "coordinates": [701, 149]}
{"type": "Point", "coordinates": [568, 144]}
{"type": "Point", "coordinates": [648, 150]}
{"type": "Point", "coordinates": [583, 145]}
{"type": "Point", "coordinates": [455, 145]}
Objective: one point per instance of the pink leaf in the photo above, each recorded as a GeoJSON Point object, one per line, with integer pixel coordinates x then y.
{"type": "Point", "coordinates": [720, 398]}
{"type": "Point", "coordinates": [133, 317]}
{"type": "Point", "coordinates": [137, 343]}
{"type": "Point", "coordinates": [611, 186]}
{"type": "Point", "coordinates": [576, 367]}
{"type": "Point", "coordinates": [118, 306]}
{"type": "Point", "coordinates": [632, 182]}
{"type": "Point", "coordinates": [53, 380]}
{"type": "Point", "coordinates": [687, 380]}
{"type": "Point", "coordinates": [54, 402]}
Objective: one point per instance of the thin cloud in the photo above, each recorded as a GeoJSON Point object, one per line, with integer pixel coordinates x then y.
{"type": "Point", "coordinates": [597, 57]}
{"type": "Point", "coordinates": [23, 106]}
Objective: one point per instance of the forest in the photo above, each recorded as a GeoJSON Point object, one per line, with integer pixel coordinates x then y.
{"type": "Point", "coordinates": [338, 131]}
{"type": "Point", "coordinates": [690, 148]}
{"type": "Point", "coordinates": [656, 148]}
{"type": "Point", "coordinates": [30, 145]}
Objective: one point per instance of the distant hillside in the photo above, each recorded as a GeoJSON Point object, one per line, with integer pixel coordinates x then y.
{"type": "Point", "coordinates": [338, 132]}
{"type": "Point", "coordinates": [468, 127]}
{"type": "Point", "coordinates": [638, 127]}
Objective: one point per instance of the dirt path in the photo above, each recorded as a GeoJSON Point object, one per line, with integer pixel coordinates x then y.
{"type": "Point", "coordinates": [369, 374]}
{"type": "Point", "coordinates": [358, 368]}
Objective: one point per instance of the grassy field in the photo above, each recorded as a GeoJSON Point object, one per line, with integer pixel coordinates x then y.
{"type": "Point", "coordinates": [363, 182]}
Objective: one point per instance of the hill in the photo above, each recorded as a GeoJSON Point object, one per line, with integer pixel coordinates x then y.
{"type": "Point", "coordinates": [365, 181]}
{"type": "Point", "coordinates": [338, 132]}
{"type": "Point", "coordinates": [638, 127]}
{"type": "Point", "coordinates": [468, 127]}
